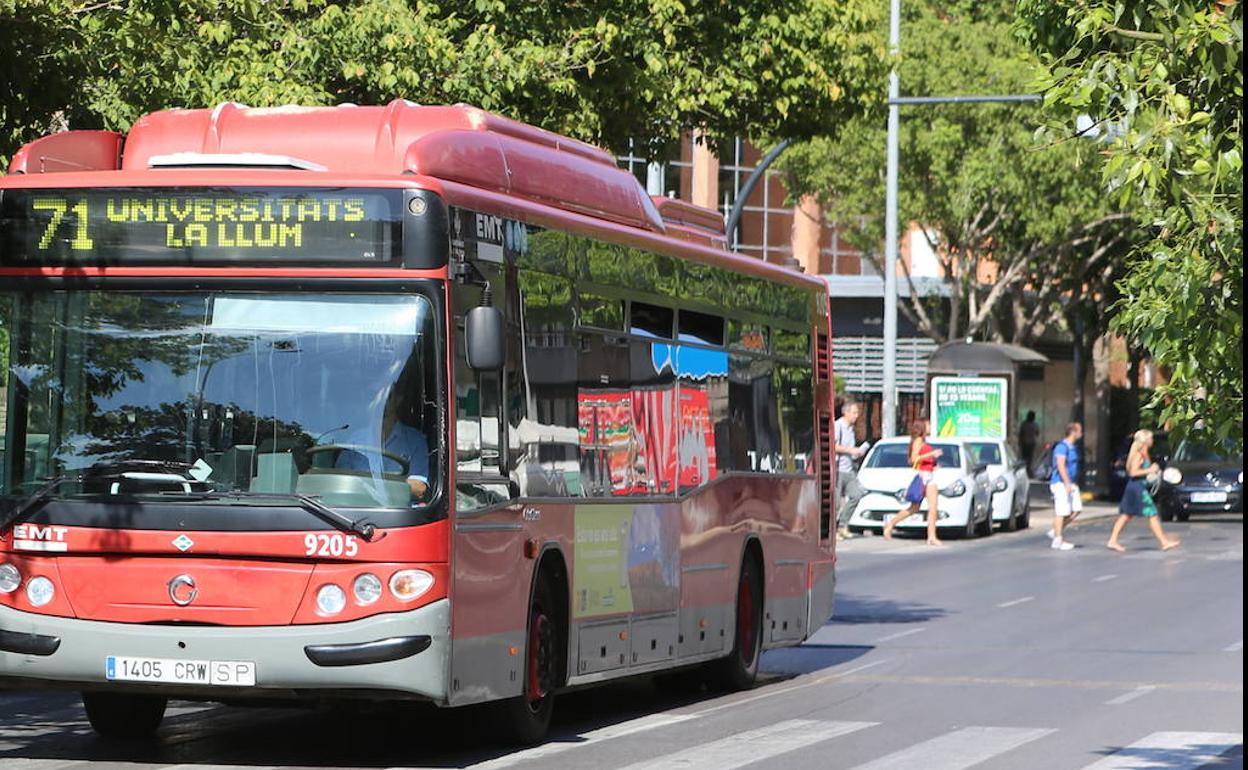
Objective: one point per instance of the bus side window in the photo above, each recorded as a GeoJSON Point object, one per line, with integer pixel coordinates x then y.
{"type": "Point", "coordinates": [479, 432]}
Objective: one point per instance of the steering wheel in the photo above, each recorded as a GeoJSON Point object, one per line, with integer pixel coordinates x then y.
{"type": "Point", "coordinates": [363, 449]}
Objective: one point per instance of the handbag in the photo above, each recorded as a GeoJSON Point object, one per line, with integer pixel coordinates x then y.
{"type": "Point", "coordinates": [916, 490]}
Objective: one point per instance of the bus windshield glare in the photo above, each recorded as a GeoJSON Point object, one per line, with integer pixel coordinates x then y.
{"type": "Point", "coordinates": [331, 396]}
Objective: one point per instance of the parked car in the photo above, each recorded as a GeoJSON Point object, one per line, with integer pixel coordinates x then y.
{"type": "Point", "coordinates": [1011, 505]}
{"type": "Point", "coordinates": [963, 506]}
{"type": "Point", "coordinates": [1201, 480]}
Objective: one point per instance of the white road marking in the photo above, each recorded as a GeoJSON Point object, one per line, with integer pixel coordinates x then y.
{"type": "Point", "coordinates": [900, 634]}
{"type": "Point", "coordinates": [1014, 602]}
{"type": "Point", "coordinates": [559, 745]}
{"type": "Point", "coordinates": [1103, 578]}
{"type": "Point", "coordinates": [22, 763]}
{"type": "Point", "coordinates": [959, 749]}
{"type": "Point", "coordinates": [1130, 696]}
{"type": "Point", "coordinates": [751, 746]}
{"type": "Point", "coordinates": [786, 690]}
{"type": "Point", "coordinates": [1171, 750]}
{"type": "Point", "coordinates": [1236, 647]}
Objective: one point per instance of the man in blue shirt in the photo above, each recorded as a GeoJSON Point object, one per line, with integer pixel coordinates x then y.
{"type": "Point", "coordinates": [397, 438]}
{"type": "Point", "coordinates": [1067, 500]}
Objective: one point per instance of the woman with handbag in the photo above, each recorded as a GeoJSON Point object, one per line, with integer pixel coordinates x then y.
{"type": "Point", "coordinates": [1137, 498]}
{"type": "Point", "coordinates": [923, 487]}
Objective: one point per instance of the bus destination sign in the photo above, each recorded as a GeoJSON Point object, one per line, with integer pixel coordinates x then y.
{"type": "Point", "coordinates": [162, 225]}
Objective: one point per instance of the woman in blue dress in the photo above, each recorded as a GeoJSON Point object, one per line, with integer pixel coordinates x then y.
{"type": "Point", "coordinates": [1136, 498]}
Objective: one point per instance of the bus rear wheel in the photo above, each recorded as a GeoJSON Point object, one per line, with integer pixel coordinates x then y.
{"type": "Point", "coordinates": [124, 715]}
{"type": "Point", "coordinates": [739, 670]}
{"type": "Point", "coordinates": [525, 720]}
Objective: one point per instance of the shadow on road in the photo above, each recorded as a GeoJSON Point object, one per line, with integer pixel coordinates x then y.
{"type": "Point", "coordinates": [52, 726]}
{"type": "Point", "coordinates": [855, 609]}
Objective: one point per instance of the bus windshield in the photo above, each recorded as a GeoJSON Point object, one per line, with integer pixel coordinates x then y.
{"type": "Point", "coordinates": [331, 396]}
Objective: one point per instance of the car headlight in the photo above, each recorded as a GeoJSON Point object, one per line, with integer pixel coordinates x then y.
{"type": "Point", "coordinates": [1172, 475]}
{"type": "Point", "coordinates": [1241, 477]}
{"type": "Point", "coordinates": [10, 578]}
{"type": "Point", "coordinates": [367, 589]}
{"type": "Point", "coordinates": [956, 489]}
{"type": "Point", "coordinates": [1000, 485]}
{"type": "Point", "coordinates": [410, 584]}
{"type": "Point", "coordinates": [40, 591]}
{"type": "Point", "coordinates": [330, 599]}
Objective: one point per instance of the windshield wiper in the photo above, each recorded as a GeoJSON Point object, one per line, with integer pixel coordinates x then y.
{"type": "Point", "coordinates": [28, 507]}
{"type": "Point", "coordinates": [100, 471]}
{"type": "Point", "coordinates": [362, 527]}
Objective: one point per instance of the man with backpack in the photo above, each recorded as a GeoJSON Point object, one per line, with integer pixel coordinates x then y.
{"type": "Point", "coordinates": [1067, 500]}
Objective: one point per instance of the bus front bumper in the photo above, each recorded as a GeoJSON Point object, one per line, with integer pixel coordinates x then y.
{"type": "Point", "coordinates": [396, 655]}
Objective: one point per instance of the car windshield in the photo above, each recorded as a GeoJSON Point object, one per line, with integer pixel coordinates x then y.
{"type": "Point", "coordinates": [1189, 452]}
{"type": "Point", "coordinates": [985, 452]}
{"type": "Point", "coordinates": [331, 396]}
{"type": "Point", "coordinates": [896, 456]}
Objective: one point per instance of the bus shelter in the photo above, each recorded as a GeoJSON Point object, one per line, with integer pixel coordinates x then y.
{"type": "Point", "coordinates": [972, 387]}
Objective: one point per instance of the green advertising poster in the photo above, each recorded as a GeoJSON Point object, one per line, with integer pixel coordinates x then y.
{"type": "Point", "coordinates": [600, 561]}
{"type": "Point", "coordinates": [969, 407]}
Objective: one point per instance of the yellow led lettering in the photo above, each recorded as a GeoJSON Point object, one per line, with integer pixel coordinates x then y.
{"type": "Point", "coordinates": [203, 210]}
{"type": "Point", "coordinates": [117, 210]}
{"type": "Point", "coordinates": [171, 237]}
{"type": "Point", "coordinates": [291, 235]}
{"type": "Point", "coordinates": [266, 235]}
{"type": "Point", "coordinates": [226, 208]}
{"type": "Point", "coordinates": [58, 207]}
{"type": "Point", "coordinates": [223, 236]}
{"type": "Point", "coordinates": [82, 237]}
{"type": "Point", "coordinates": [309, 209]}
{"type": "Point", "coordinates": [288, 206]}
{"type": "Point", "coordinates": [240, 236]}
{"type": "Point", "coordinates": [248, 210]}
{"type": "Point", "coordinates": [354, 209]}
{"type": "Point", "coordinates": [331, 209]}
{"type": "Point", "coordinates": [181, 209]}
{"type": "Point", "coordinates": [197, 235]}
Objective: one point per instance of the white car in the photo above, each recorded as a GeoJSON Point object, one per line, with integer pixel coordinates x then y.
{"type": "Point", "coordinates": [1011, 506]}
{"type": "Point", "coordinates": [964, 503]}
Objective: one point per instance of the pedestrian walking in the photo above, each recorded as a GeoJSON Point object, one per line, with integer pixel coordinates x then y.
{"type": "Point", "coordinates": [1028, 436]}
{"type": "Point", "coordinates": [1137, 499]}
{"type": "Point", "coordinates": [1067, 499]}
{"type": "Point", "coordinates": [848, 490]}
{"type": "Point", "coordinates": [922, 457]}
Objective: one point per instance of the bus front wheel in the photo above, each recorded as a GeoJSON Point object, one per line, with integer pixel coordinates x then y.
{"type": "Point", "coordinates": [739, 670]}
{"type": "Point", "coordinates": [526, 719]}
{"type": "Point", "coordinates": [124, 715]}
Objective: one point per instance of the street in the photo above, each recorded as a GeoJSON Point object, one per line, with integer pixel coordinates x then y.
{"type": "Point", "coordinates": [990, 653]}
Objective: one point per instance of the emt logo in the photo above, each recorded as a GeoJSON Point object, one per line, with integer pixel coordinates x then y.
{"type": "Point", "coordinates": [32, 537]}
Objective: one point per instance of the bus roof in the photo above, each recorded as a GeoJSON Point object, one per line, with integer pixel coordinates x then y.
{"type": "Point", "coordinates": [459, 144]}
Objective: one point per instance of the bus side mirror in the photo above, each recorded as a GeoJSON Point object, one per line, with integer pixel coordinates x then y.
{"type": "Point", "coordinates": [483, 339]}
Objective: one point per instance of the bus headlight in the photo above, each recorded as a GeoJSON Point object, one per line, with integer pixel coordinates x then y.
{"type": "Point", "coordinates": [1172, 475]}
{"type": "Point", "coordinates": [956, 489]}
{"type": "Point", "coordinates": [10, 578]}
{"type": "Point", "coordinates": [367, 589]}
{"type": "Point", "coordinates": [1000, 485]}
{"type": "Point", "coordinates": [409, 584]}
{"type": "Point", "coordinates": [330, 599]}
{"type": "Point", "coordinates": [40, 591]}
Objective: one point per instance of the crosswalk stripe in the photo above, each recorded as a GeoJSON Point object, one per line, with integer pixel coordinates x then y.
{"type": "Point", "coordinates": [1170, 750]}
{"type": "Point", "coordinates": [753, 746]}
{"type": "Point", "coordinates": [959, 749]}
{"type": "Point", "coordinates": [559, 745]}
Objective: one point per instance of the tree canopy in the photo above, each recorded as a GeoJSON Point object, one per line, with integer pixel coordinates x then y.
{"type": "Point", "coordinates": [1024, 235]}
{"type": "Point", "coordinates": [1162, 82]}
{"type": "Point", "coordinates": [601, 70]}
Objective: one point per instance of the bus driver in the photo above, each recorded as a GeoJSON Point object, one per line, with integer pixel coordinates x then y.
{"type": "Point", "coordinates": [397, 437]}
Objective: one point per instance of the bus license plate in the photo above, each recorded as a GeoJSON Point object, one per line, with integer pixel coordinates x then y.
{"type": "Point", "coordinates": [1208, 497]}
{"type": "Point", "coordinates": [224, 673]}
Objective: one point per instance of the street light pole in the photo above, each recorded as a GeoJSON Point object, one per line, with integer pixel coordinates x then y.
{"type": "Point", "coordinates": [888, 422]}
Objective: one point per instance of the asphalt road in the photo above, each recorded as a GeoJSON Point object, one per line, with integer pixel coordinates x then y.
{"type": "Point", "coordinates": [997, 653]}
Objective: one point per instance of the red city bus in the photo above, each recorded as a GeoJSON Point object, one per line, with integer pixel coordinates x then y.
{"type": "Point", "coordinates": [392, 403]}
